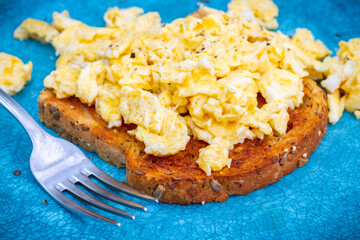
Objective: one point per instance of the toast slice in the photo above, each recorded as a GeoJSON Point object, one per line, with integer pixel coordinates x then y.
{"type": "Point", "coordinates": [177, 178]}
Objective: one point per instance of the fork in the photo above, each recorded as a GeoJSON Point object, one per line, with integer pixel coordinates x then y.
{"type": "Point", "coordinates": [60, 166]}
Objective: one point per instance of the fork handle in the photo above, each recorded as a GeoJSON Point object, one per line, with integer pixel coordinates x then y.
{"type": "Point", "coordinates": [32, 128]}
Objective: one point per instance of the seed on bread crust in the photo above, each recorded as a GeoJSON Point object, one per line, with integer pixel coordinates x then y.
{"type": "Point", "coordinates": [160, 189]}
{"type": "Point", "coordinates": [239, 182]}
{"type": "Point", "coordinates": [58, 129]}
{"type": "Point", "coordinates": [84, 127]}
{"type": "Point", "coordinates": [284, 158]}
{"type": "Point", "coordinates": [171, 186]}
{"type": "Point", "coordinates": [56, 115]}
{"type": "Point", "coordinates": [215, 185]}
{"type": "Point", "coordinates": [139, 171]}
{"type": "Point", "coordinates": [302, 162]}
{"type": "Point", "coordinates": [41, 110]}
{"type": "Point", "coordinates": [53, 109]}
{"type": "Point", "coordinates": [177, 178]}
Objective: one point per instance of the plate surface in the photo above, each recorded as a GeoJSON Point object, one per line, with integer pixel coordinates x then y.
{"type": "Point", "coordinates": [320, 200]}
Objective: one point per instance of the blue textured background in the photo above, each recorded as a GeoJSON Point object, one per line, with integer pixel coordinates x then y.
{"type": "Point", "coordinates": [320, 200]}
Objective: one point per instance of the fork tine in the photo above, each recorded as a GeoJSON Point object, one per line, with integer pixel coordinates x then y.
{"type": "Point", "coordinates": [90, 185]}
{"type": "Point", "coordinates": [67, 202]}
{"type": "Point", "coordinates": [77, 192]}
{"type": "Point", "coordinates": [102, 176]}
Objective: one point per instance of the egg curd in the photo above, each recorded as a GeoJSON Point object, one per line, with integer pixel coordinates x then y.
{"type": "Point", "coordinates": [195, 77]}
{"type": "Point", "coordinates": [14, 74]}
{"type": "Point", "coordinates": [343, 80]}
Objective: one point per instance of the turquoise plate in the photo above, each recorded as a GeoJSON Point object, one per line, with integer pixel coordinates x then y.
{"type": "Point", "coordinates": [320, 200]}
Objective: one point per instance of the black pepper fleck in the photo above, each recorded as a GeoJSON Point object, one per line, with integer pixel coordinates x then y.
{"type": "Point", "coordinates": [132, 55]}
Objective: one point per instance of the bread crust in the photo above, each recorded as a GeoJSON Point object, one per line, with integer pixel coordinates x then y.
{"type": "Point", "coordinates": [177, 178]}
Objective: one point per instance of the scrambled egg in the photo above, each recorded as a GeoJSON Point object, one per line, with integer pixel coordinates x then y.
{"type": "Point", "coordinates": [343, 78]}
{"type": "Point", "coordinates": [32, 28]}
{"type": "Point", "coordinates": [14, 74]}
{"type": "Point", "coordinates": [162, 130]}
{"type": "Point", "coordinates": [215, 156]}
{"type": "Point", "coordinates": [195, 77]}
{"type": "Point", "coordinates": [262, 11]}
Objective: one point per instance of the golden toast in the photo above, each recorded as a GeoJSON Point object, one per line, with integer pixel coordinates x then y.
{"type": "Point", "coordinates": [177, 178]}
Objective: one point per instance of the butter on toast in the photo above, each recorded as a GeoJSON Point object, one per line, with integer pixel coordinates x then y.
{"type": "Point", "coordinates": [177, 178]}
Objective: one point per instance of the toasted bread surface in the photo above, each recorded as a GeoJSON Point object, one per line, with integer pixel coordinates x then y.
{"type": "Point", "coordinates": [177, 178]}
{"type": "Point", "coordinates": [80, 124]}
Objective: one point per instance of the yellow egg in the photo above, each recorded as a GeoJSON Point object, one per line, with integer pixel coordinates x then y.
{"type": "Point", "coordinates": [220, 149]}
{"type": "Point", "coordinates": [107, 103]}
{"type": "Point", "coordinates": [37, 29]}
{"type": "Point", "coordinates": [336, 106]}
{"type": "Point", "coordinates": [63, 80]}
{"type": "Point", "coordinates": [343, 73]}
{"type": "Point", "coordinates": [315, 49]}
{"type": "Point", "coordinates": [282, 84]}
{"type": "Point", "coordinates": [163, 131]}
{"type": "Point", "coordinates": [262, 11]}
{"type": "Point", "coordinates": [62, 21]}
{"type": "Point", "coordinates": [357, 114]}
{"type": "Point", "coordinates": [133, 20]}
{"type": "Point", "coordinates": [87, 84]}
{"type": "Point", "coordinates": [350, 49]}
{"type": "Point", "coordinates": [14, 74]}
